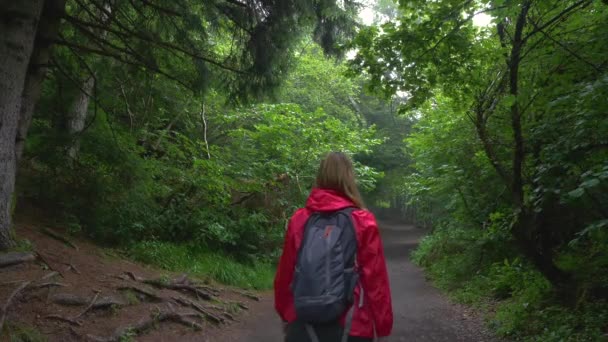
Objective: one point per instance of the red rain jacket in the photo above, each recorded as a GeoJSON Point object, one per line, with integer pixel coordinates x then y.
{"type": "Point", "coordinates": [376, 310]}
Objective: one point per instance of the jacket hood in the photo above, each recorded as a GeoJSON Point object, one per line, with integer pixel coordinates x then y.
{"type": "Point", "coordinates": [327, 200]}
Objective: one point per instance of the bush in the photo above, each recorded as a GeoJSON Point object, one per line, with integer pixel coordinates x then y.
{"type": "Point", "coordinates": [519, 301]}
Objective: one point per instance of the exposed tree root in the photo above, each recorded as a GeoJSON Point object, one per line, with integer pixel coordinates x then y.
{"type": "Point", "coordinates": [150, 294]}
{"type": "Point", "coordinates": [224, 313]}
{"type": "Point", "coordinates": [134, 277]}
{"type": "Point", "coordinates": [50, 275]}
{"type": "Point", "coordinates": [247, 295]}
{"type": "Point", "coordinates": [68, 299]}
{"type": "Point", "coordinates": [9, 301]}
{"type": "Point", "coordinates": [58, 237]}
{"type": "Point", "coordinates": [208, 315]}
{"type": "Point", "coordinates": [50, 284]}
{"type": "Point", "coordinates": [198, 293]}
{"type": "Point", "coordinates": [12, 282]}
{"type": "Point", "coordinates": [44, 261]}
{"type": "Point", "coordinates": [107, 302]}
{"type": "Point", "coordinates": [146, 324]}
{"type": "Point", "coordinates": [15, 258]}
{"type": "Point", "coordinates": [182, 284]}
{"type": "Point", "coordinates": [63, 319]}
{"type": "Point", "coordinates": [209, 289]}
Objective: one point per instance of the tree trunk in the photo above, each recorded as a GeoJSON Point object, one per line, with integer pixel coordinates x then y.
{"type": "Point", "coordinates": [48, 28]}
{"type": "Point", "coordinates": [528, 237]}
{"type": "Point", "coordinates": [80, 107]}
{"type": "Point", "coordinates": [78, 114]}
{"type": "Point", "coordinates": [18, 26]}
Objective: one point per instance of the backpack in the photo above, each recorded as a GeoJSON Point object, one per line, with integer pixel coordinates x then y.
{"type": "Point", "coordinates": [325, 274]}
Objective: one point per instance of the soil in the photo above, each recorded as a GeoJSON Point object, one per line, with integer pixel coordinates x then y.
{"type": "Point", "coordinates": [421, 312]}
{"type": "Point", "coordinates": [90, 272]}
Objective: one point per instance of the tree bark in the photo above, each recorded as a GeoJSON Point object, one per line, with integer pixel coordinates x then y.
{"type": "Point", "coordinates": [48, 28]}
{"type": "Point", "coordinates": [78, 114]}
{"type": "Point", "coordinates": [19, 22]}
{"type": "Point", "coordinates": [527, 229]}
{"type": "Point", "coordinates": [80, 106]}
{"type": "Point", "coordinates": [514, 62]}
{"type": "Point", "coordinates": [28, 29]}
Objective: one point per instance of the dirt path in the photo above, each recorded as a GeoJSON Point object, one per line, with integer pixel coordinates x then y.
{"type": "Point", "coordinates": [421, 312]}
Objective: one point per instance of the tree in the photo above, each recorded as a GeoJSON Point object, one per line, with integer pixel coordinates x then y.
{"type": "Point", "coordinates": [533, 55]}
{"type": "Point", "coordinates": [175, 39]}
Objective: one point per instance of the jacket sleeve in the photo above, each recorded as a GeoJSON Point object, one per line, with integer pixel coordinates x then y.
{"type": "Point", "coordinates": [374, 275]}
{"type": "Point", "coordinates": [283, 297]}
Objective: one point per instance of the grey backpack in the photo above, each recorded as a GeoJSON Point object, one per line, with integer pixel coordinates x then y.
{"type": "Point", "coordinates": [325, 275]}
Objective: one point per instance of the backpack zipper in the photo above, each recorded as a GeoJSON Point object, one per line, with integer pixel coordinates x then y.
{"type": "Point", "coordinates": [327, 260]}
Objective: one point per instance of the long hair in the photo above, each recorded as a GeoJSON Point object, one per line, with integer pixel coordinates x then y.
{"type": "Point", "coordinates": [337, 173]}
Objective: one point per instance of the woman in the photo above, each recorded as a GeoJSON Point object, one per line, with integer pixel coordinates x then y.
{"type": "Point", "coordinates": [335, 190]}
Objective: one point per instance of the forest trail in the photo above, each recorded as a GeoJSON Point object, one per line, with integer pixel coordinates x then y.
{"type": "Point", "coordinates": [422, 313]}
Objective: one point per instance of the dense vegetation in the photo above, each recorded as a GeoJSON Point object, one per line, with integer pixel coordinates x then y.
{"type": "Point", "coordinates": [185, 133]}
{"type": "Point", "coordinates": [160, 128]}
{"type": "Point", "coordinates": [509, 154]}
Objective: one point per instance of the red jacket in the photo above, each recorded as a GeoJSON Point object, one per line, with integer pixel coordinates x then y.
{"type": "Point", "coordinates": [376, 310]}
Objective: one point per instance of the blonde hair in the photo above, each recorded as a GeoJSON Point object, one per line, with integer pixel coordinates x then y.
{"type": "Point", "coordinates": [336, 172]}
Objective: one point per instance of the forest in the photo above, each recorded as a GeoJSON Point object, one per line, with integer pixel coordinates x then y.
{"type": "Point", "coordinates": [183, 134]}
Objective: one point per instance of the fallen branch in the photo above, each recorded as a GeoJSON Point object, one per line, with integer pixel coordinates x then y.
{"type": "Point", "coordinates": [10, 300]}
{"type": "Point", "coordinates": [73, 269]}
{"type": "Point", "coordinates": [58, 237]}
{"type": "Point", "coordinates": [63, 319]}
{"type": "Point", "coordinates": [88, 307]}
{"type": "Point", "coordinates": [15, 258]}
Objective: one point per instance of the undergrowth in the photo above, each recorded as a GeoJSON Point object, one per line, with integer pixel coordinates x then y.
{"type": "Point", "coordinates": [17, 332]}
{"type": "Point", "coordinates": [256, 274]}
{"type": "Point", "coordinates": [519, 303]}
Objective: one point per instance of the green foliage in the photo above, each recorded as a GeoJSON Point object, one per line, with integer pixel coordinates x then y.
{"type": "Point", "coordinates": [22, 245]}
{"type": "Point", "coordinates": [518, 300]}
{"type": "Point", "coordinates": [508, 154]}
{"type": "Point", "coordinates": [18, 332]}
{"type": "Point", "coordinates": [316, 82]}
{"type": "Point", "coordinates": [284, 139]}
{"type": "Point", "coordinates": [204, 182]}
{"type": "Point", "coordinates": [201, 263]}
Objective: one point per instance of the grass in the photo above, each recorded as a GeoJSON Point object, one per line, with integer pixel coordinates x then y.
{"type": "Point", "coordinates": [18, 332]}
{"type": "Point", "coordinates": [204, 264]}
{"type": "Point", "coordinates": [22, 245]}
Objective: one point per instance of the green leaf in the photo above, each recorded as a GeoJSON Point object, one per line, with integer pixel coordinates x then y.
{"type": "Point", "coordinates": [577, 193]}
